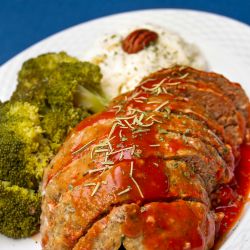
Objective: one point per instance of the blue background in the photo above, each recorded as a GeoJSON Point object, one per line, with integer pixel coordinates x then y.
{"type": "Point", "coordinates": [25, 22]}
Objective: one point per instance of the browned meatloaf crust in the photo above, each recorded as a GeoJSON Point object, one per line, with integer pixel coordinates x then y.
{"type": "Point", "coordinates": [139, 175]}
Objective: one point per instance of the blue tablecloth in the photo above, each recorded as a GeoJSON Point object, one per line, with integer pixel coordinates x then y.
{"type": "Point", "coordinates": [25, 22]}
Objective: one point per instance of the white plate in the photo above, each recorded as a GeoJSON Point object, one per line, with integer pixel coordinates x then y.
{"type": "Point", "coordinates": [224, 42]}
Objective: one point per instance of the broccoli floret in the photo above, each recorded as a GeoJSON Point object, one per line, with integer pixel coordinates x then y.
{"type": "Point", "coordinates": [23, 118]}
{"type": "Point", "coordinates": [76, 84]}
{"type": "Point", "coordinates": [53, 79]}
{"type": "Point", "coordinates": [57, 123]}
{"type": "Point", "coordinates": [20, 210]}
{"type": "Point", "coordinates": [12, 155]}
{"type": "Point", "coordinates": [33, 76]}
{"type": "Point", "coordinates": [24, 152]}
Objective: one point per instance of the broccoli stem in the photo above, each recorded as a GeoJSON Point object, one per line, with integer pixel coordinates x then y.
{"type": "Point", "coordinates": [90, 100]}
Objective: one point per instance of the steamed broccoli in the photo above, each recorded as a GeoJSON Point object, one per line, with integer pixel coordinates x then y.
{"type": "Point", "coordinates": [33, 77]}
{"type": "Point", "coordinates": [64, 89]}
{"type": "Point", "coordinates": [24, 152]}
{"type": "Point", "coordinates": [57, 123]}
{"type": "Point", "coordinates": [54, 92]}
{"type": "Point", "coordinates": [20, 210]}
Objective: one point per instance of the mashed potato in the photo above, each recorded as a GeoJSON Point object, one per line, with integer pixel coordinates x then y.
{"type": "Point", "coordinates": [122, 71]}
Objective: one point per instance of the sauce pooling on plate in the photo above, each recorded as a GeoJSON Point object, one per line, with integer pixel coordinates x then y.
{"type": "Point", "coordinates": [230, 199]}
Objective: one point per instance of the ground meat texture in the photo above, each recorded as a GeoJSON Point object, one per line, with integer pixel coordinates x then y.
{"type": "Point", "coordinates": [149, 162]}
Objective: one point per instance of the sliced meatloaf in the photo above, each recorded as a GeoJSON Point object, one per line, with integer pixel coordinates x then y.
{"type": "Point", "coordinates": [140, 174]}
{"type": "Point", "coordinates": [201, 156]}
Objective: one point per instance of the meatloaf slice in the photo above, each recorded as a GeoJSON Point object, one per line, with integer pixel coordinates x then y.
{"type": "Point", "coordinates": [155, 225]}
{"type": "Point", "coordinates": [217, 105]}
{"type": "Point", "coordinates": [213, 80]}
